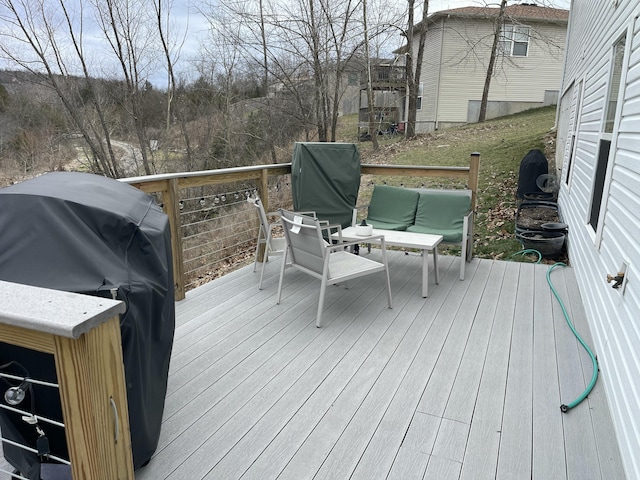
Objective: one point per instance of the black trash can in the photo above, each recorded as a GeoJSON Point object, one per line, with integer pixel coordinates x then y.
{"type": "Point", "coordinates": [88, 234]}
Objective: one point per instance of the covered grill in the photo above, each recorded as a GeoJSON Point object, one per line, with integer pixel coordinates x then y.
{"type": "Point", "coordinates": [89, 234]}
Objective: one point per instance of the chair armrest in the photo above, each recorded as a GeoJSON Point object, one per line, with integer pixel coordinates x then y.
{"type": "Point", "coordinates": [325, 225]}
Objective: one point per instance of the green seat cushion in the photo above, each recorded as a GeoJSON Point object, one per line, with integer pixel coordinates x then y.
{"type": "Point", "coordinates": [449, 236]}
{"type": "Point", "coordinates": [387, 225]}
{"type": "Point", "coordinates": [442, 212]}
{"type": "Point", "coordinates": [392, 208]}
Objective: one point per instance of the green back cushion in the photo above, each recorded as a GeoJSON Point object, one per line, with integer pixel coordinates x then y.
{"type": "Point", "coordinates": [392, 208]}
{"type": "Point", "coordinates": [441, 212]}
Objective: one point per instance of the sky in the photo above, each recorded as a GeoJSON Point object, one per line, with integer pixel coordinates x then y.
{"type": "Point", "coordinates": [185, 17]}
{"type": "Point", "coordinates": [437, 5]}
{"type": "Point", "coordinates": [197, 25]}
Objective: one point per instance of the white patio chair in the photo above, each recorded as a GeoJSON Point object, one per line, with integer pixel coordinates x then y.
{"type": "Point", "coordinates": [273, 246]}
{"type": "Point", "coordinates": [308, 252]}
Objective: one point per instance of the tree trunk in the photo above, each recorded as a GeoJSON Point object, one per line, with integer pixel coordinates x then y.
{"type": "Point", "coordinates": [497, 28]}
{"type": "Point", "coordinates": [373, 132]}
{"type": "Point", "coordinates": [413, 74]}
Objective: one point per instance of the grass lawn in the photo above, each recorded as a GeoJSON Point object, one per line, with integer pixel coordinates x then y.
{"type": "Point", "coordinates": [502, 144]}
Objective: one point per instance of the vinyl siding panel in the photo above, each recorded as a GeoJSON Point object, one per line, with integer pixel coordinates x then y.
{"type": "Point", "coordinates": [430, 73]}
{"type": "Point", "coordinates": [463, 71]}
{"type": "Point", "coordinates": [594, 27]}
{"type": "Point", "coordinates": [518, 79]}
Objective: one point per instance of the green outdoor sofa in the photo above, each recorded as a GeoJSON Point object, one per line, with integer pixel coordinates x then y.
{"type": "Point", "coordinates": [432, 211]}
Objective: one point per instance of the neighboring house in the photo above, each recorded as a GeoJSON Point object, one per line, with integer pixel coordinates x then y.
{"type": "Point", "coordinates": [598, 149]}
{"type": "Point", "coordinates": [528, 69]}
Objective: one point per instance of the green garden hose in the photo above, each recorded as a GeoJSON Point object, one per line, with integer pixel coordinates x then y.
{"type": "Point", "coordinates": [566, 407]}
{"type": "Point", "coordinates": [527, 251]}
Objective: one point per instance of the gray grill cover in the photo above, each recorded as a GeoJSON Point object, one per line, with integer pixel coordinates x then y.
{"type": "Point", "coordinates": [325, 178]}
{"type": "Point", "coordinates": [88, 234]}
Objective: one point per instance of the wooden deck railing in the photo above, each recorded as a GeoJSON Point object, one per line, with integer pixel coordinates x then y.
{"type": "Point", "coordinates": [83, 335]}
{"type": "Point", "coordinates": [170, 186]}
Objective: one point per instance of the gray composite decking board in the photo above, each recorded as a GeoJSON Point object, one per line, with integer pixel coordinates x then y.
{"type": "Point", "coordinates": [464, 391]}
{"type": "Point", "coordinates": [323, 442]}
{"type": "Point", "coordinates": [409, 464]}
{"type": "Point", "coordinates": [442, 469]}
{"type": "Point", "coordinates": [436, 395]}
{"type": "Point", "coordinates": [261, 303]}
{"type": "Point", "coordinates": [481, 456]}
{"type": "Point", "coordinates": [373, 425]}
{"type": "Point", "coordinates": [4, 465]}
{"type": "Point", "coordinates": [239, 330]}
{"type": "Point", "coordinates": [514, 460]}
{"type": "Point", "coordinates": [240, 362]}
{"type": "Point", "coordinates": [413, 455]}
{"type": "Point", "coordinates": [345, 399]}
{"type": "Point", "coordinates": [422, 432]}
{"type": "Point", "coordinates": [548, 459]}
{"type": "Point", "coordinates": [199, 300]}
{"type": "Point", "coordinates": [581, 457]}
{"type": "Point", "coordinates": [600, 418]}
{"type": "Point", "coordinates": [339, 392]}
{"type": "Point", "coordinates": [226, 404]}
{"type": "Point", "coordinates": [291, 386]}
{"type": "Point", "coordinates": [451, 441]}
{"type": "Point", "coordinates": [282, 408]}
{"type": "Point", "coordinates": [230, 390]}
{"type": "Point", "coordinates": [335, 412]}
{"type": "Point", "coordinates": [378, 456]}
{"type": "Point", "coordinates": [329, 408]}
{"type": "Point", "coordinates": [234, 316]}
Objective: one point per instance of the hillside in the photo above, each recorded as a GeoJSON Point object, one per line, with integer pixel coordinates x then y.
{"type": "Point", "coordinates": [502, 144]}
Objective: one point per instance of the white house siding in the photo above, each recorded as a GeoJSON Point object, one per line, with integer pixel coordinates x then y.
{"type": "Point", "coordinates": [594, 27]}
{"type": "Point", "coordinates": [430, 76]}
{"type": "Point", "coordinates": [541, 70]}
{"type": "Point", "coordinates": [459, 77]}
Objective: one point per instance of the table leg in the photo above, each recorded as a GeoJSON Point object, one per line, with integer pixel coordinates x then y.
{"type": "Point", "coordinates": [435, 264]}
{"type": "Point", "coordinates": [425, 273]}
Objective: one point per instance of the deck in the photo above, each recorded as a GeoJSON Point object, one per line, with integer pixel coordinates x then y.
{"type": "Point", "coordinates": [465, 384]}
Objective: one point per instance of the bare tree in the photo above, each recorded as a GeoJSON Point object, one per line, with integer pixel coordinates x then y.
{"type": "Point", "coordinates": [370, 100]}
{"type": "Point", "coordinates": [497, 28]}
{"type": "Point", "coordinates": [413, 74]}
{"type": "Point", "coordinates": [171, 52]}
{"type": "Point", "coordinates": [32, 40]}
{"type": "Point", "coordinates": [125, 29]}
{"type": "Point", "coordinates": [302, 46]}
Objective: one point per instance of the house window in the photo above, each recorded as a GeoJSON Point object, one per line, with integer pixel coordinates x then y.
{"type": "Point", "coordinates": [576, 104]}
{"type": "Point", "coordinates": [419, 99]}
{"type": "Point", "coordinates": [514, 40]}
{"type": "Point", "coordinates": [353, 79]}
{"type": "Point", "coordinates": [604, 147]}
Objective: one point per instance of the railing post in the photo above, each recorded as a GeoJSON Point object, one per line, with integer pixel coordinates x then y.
{"type": "Point", "coordinates": [474, 173]}
{"type": "Point", "coordinates": [263, 193]}
{"type": "Point", "coordinates": [83, 334]}
{"type": "Point", "coordinates": [93, 449]}
{"type": "Point", "coordinates": [172, 209]}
